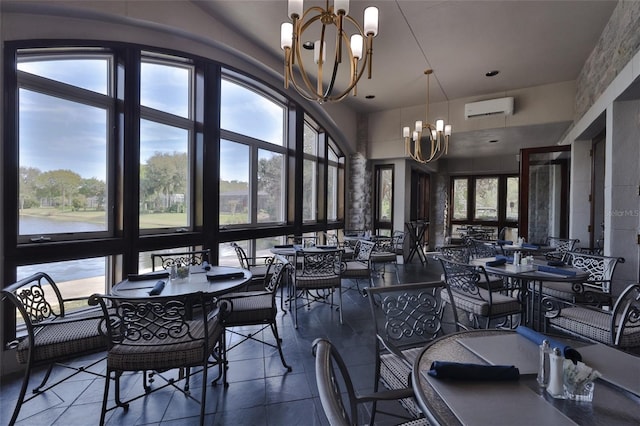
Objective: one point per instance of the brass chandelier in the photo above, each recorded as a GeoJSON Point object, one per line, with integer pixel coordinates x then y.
{"type": "Point", "coordinates": [427, 137]}
{"type": "Point", "coordinates": [332, 20]}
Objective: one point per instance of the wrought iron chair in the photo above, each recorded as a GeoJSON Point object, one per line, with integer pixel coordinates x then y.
{"type": "Point", "coordinates": [257, 265]}
{"type": "Point", "coordinates": [481, 248]}
{"type": "Point", "coordinates": [465, 292]}
{"type": "Point", "coordinates": [160, 334]}
{"type": "Point", "coordinates": [619, 327]}
{"type": "Point", "coordinates": [561, 246]}
{"type": "Point", "coordinates": [406, 317]}
{"type": "Point", "coordinates": [167, 260]}
{"type": "Point", "coordinates": [596, 290]}
{"type": "Point", "coordinates": [384, 252]}
{"type": "Point", "coordinates": [333, 381]}
{"type": "Point", "coordinates": [359, 268]}
{"type": "Point", "coordinates": [258, 308]}
{"type": "Point", "coordinates": [53, 335]}
{"type": "Point", "coordinates": [462, 254]}
{"type": "Point", "coordinates": [317, 271]}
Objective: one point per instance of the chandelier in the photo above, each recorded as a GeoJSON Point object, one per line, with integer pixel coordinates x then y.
{"type": "Point", "coordinates": [427, 137]}
{"type": "Point", "coordinates": [330, 21]}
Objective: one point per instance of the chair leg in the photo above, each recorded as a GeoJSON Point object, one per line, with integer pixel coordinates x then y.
{"type": "Point", "coordinates": [37, 389]}
{"type": "Point", "coordinates": [23, 391]}
{"type": "Point", "coordinates": [340, 301]}
{"type": "Point", "coordinates": [203, 397]}
{"type": "Point", "coordinates": [274, 329]}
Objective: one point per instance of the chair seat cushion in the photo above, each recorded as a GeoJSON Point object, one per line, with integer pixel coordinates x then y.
{"type": "Point", "coordinates": [162, 353]}
{"type": "Point", "coordinates": [317, 282]}
{"type": "Point", "coordinates": [380, 257]}
{"type": "Point", "coordinates": [595, 325]}
{"type": "Point", "coordinates": [395, 374]}
{"type": "Point", "coordinates": [60, 341]}
{"type": "Point", "coordinates": [250, 308]}
{"type": "Point", "coordinates": [355, 268]}
{"type": "Point", "coordinates": [258, 271]}
{"type": "Point", "coordinates": [502, 304]}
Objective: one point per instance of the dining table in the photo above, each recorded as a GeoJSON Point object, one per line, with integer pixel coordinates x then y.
{"type": "Point", "coordinates": [212, 280]}
{"type": "Point", "coordinates": [616, 395]}
{"type": "Point", "coordinates": [529, 279]}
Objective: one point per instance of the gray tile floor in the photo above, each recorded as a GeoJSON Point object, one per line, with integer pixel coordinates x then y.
{"type": "Point", "coordinates": [261, 392]}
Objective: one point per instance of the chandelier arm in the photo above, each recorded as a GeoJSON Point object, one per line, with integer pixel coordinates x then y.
{"type": "Point", "coordinates": [302, 27]}
{"type": "Point", "coordinates": [359, 74]}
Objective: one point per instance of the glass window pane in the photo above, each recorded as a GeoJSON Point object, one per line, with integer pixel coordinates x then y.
{"type": "Point", "coordinates": [460, 196]}
{"type": "Point", "coordinates": [332, 194]}
{"type": "Point", "coordinates": [271, 186]}
{"type": "Point", "coordinates": [310, 140]}
{"type": "Point", "coordinates": [385, 194]}
{"type": "Point", "coordinates": [91, 74]}
{"type": "Point", "coordinates": [309, 196]}
{"type": "Point", "coordinates": [164, 177]}
{"type": "Point", "coordinates": [332, 156]}
{"type": "Point", "coordinates": [486, 199]}
{"type": "Point", "coordinates": [74, 278]}
{"type": "Point", "coordinates": [234, 183]}
{"type": "Point", "coordinates": [166, 88]}
{"type": "Point", "coordinates": [63, 163]}
{"type": "Point", "coordinates": [246, 112]}
{"type": "Point", "coordinates": [513, 209]}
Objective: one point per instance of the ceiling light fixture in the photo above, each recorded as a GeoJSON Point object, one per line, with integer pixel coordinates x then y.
{"type": "Point", "coordinates": [332, 20]}
{"type": "Point", "coordinates": [436, 137]}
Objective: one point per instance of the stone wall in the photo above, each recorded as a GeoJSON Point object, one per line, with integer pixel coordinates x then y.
{"type": "Point", "coordinates": [359, 207]}
{"type": "Point", "coordinates": [619, 41]}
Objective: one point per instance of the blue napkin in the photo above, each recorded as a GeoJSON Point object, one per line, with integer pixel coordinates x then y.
{"type": "Point", "coordinates": [537, 338]}
{"type": "Point", "coordinates": [496, 262]}
{"type": "Point", "coordinates": [554, 270]}
{"type": "Point", "coordinates": [157, 289]}
{"type": "Point", "coordinates": [504, 242]}
{"type": "Point", "coordinates": [530, 246]}
{"type": "Point", "coordinates": [508, 259]}
{"type": "Point", "coordinates": [283, 246]}
{"type": "Point", "coordinates": [225, 276]}
{"type": "Point", "coordinates": [473, 372]}
{"type": "Point", "coordinates": [148, 276]}
{"type": "Point", "coordinates": [555, 263]}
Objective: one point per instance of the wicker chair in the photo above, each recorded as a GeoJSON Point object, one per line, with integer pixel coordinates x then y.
{"type": "Point", "coordinates": [334, 383]}
{"type": "Point", "coordinates": [619, 327]}
{"type": "Point", "coordinates": [406, 317]}
{"type": "Point", "coordinates": [160, 334]}
{"type": "Point", "coordinates": [465, 292]}
{"type": "Point", "coordinates": [317, 276]}
{"type": "Point", "coordinates": [53, 335]}
{"type": "Point", "coordinates": [258, 308]}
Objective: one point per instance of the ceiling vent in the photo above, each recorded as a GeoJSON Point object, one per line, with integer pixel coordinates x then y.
{"type": "Point", "coordinates": [489, 107]}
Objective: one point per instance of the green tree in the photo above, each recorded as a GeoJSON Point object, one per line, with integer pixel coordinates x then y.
{"type": "Point", "coordinates": [58, 186]}
{"type": "Point", "coordinates": [163, 177]}
{"type": "Point", "coordinates": [27, 186]}
{"type": "Point", "coordinates": [93, 187]}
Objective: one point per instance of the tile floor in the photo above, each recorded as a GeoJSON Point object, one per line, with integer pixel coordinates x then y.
{"type": "Point", "coordinates": [261, 392]}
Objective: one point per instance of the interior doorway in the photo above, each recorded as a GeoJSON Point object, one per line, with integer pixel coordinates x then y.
{"type": "Point", "coordinates": [596, 225]}
{"type": "Point", "coordinates": [420, 204]}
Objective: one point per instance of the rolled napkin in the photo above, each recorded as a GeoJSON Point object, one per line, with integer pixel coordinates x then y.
{"type": "Point", "coordinates": [504, 242]}
{"type": "Point", "coordinates": [473, 372]}
{"type": "Point", "coordinates": [327, 247]}
{"type": "Point", "coordinates": [157, 289]}
{"type": "Point", "coordinates": [530, 246]}
{"type": "Point", "coordinates": [224, 276]}
{"type": "Point", "coordinates": [555, 263]}
{"type": "Point", "coordinates": [508, 259]}
{"type": "Point", "coordinates": [537, 338]}
{"type": "Point", "coordinates": [555, 270]}
{"type": "Point", "coordinates": [283, 246]}
{"type": "Point", "coordinates": [148, 276]}
{"type": "Point", "coordinates": [496, 262]}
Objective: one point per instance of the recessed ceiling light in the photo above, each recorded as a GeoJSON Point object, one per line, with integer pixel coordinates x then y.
{"type": "Point", "coordinates": [370, 96]}
{"type": "Point", "coordinates": [308, 45]}
{"type": "Point", "coordinates": [493, 141]}
{"type": "Point", "coordinates": [492, 73]}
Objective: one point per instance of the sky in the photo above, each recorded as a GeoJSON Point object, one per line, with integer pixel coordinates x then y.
{"type": "Point", "coordinates": [60, 134]}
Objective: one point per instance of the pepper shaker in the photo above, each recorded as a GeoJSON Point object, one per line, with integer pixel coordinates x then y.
{"type": "Point", "coordinates": [543, 368]}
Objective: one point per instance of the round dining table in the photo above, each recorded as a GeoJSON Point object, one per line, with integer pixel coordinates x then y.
{"type": "Point", "coordinates": [212, 280]}
{"type": "Point", "coordinates": [521, 402]}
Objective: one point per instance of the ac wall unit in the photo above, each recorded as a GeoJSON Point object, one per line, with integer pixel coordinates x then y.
{"type": "Point", "coordinates": [489, 107]}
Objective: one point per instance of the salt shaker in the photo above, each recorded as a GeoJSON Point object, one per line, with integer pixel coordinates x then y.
{"type": "Point", "coordinates": [173, 274]}
{"type": "Point", "coordinates": [516, 258]}
{"type": "Point", "coordinates": [543, 368]}
{"type": "Point", "coordinates": [556, 364]}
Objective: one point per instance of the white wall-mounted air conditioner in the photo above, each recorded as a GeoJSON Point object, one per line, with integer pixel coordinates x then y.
{"type": "Point", "coordinates": [489, 107]}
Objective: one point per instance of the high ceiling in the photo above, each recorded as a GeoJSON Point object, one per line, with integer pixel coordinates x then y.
{"type": "Point", "coordinates": [531, 43]}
